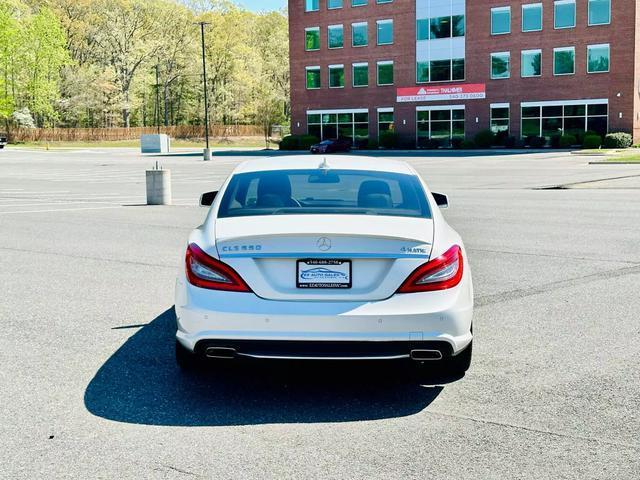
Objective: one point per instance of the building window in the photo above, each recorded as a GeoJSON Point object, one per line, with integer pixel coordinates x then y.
{"type": "Point", "coordinates": [383, 1]}
{"type": "Point", "coordinates": [437, 126]}
{"type": "Point", "coordinates": [385, 121]}
{"type": "Point", "coordinates": [458, 26]}
{"type": "Point", "coordinates": [360, 74]}
{"type": "Point", "coordinates": [312, 38]}
{"type": "Point", "coordinates": [422, 29]}
{"type": "Point", "coordinates": [350, 124]}
{"type": "Point", "coordinates": [500, 65]}
{"type": "Point", "coordinates": [385, 32]}
{"type": "Point", "coordinates": [556, 118]}
{"type": "Point", "coordinates": [313, 78]}
{"type": "Point", "coordinates": [311, 5]}
{"type": "Point", "coordinates": [331, 4]}
{"type": "Point", "coordinates": [599, 12]}
{"type": "Point", "coordinates": [359, 3]}
{"type": "Point", "coordinates": [500, 119]}
{"type": "Point", "coordinates": [359, 34]}
{"type": "Point", "coordinates": [564, 14]}
{"type": "Point", "coordinates": [336, 36]}
{"type": "Point", "coordinates": [445, 27]}
{"type": "Point", "coordinates": [422, 72]}
{"type": "Point", "coordinates": [385, 73]}
{"type": "Point", "coordinates": [564, 61]}
{"type": "Point", "coordinates": [500, 20]}
{"type": "Point", "coordinates": [598, 58]}
{"type": "Point", "coordinates": [440, 27]}
{"type": "Point", "coordinates": [531, 63]}
{"type": "Point", "coordinates": [532, 17]}
{"type": "Point", "coordinates": [457, 69]}
{"type": "Point", "coordinates": [440, 70]}
{"type": "Point", "coordinates": [440, 42]}
{"type": "Point", "coordinates": [336, 76]}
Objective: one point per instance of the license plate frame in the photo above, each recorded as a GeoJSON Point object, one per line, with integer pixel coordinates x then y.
{"type": "Point", "coordinates": [324, 278]}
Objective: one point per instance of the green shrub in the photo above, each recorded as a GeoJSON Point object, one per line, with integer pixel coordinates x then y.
{"type": "Point", "coordinates": [298, 142]}
{"type": "Point", "coordinates": [554, 141]}
{"type": "Point", "coordinates": [389, 139]}
{"type": "Point", "coordinates": [372, 144]}
{"type": "Point", "coordinates": [510, 141]}
{"type": "Point", "coordinates": [429, 143]}
{"type": "Point", "coordinates": [307, 140]}
{"type": "Point", "coordinates": [535, 142]}
{"type": "Point", "coordinates": [500, 138]}
{"type": "Point", "coordinates": [484, 139]}
{"type": "Point", "coordinates": [589, 133]}
{"type": "Point", "coordinates": [618, 140]}
{"type": "Point", "coordinates": [568, 140]}
{"type": "Point", "coordinates": [592, 141]}
{"type": "Point", "coordinates": [467, 145]}
{"type": "Point", "coordinates": [290, 142]}
{"type": "Point", "coordinates": [456, 142]}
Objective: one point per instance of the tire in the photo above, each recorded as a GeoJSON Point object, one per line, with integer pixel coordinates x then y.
{"type": "Point", "coordinates": [460, 363]}
{"type": "Point", "coordinates": [186, 359]}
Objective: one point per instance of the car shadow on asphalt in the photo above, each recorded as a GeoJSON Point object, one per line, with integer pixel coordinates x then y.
{"type": "Point", "coordinates": [140, 383]}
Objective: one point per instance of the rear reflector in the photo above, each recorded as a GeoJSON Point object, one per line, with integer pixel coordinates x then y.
{"type": "Point", "coordinates": [438, 274]}
{"type": "Point", "coordinates": [206, 272]}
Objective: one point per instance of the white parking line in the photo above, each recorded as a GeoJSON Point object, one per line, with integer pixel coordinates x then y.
{"type": "Point", "coordinates": [60, 210]}
{"type": "Point", "coordinates": [40, 204]}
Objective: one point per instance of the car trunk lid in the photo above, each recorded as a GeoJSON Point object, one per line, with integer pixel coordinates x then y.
{"type": "Point", "coordinates": [277, 255]}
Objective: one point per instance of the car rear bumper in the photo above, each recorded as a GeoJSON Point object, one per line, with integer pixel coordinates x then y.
{"type": "Point", "coordinates": [323, 350]}
{"type": "Point", "coordinates": [385, 328]}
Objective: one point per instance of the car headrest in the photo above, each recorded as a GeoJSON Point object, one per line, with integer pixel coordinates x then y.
{"type": "Point", "coordinates": [274, 184]}
{"type": "Point", "coordinates": [270, 200]}
{"type": "Point", "coordinates": [369, 187]}
{"type": "Point", "coordinates": [376, 200]}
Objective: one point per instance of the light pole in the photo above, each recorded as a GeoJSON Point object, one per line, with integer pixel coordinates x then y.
{"type": "Point", "coordinates": [207, 150]}
{"type": "Point", "coordinates": [157, 110]}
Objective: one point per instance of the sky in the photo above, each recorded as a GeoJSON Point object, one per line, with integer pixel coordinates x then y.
{"type": "Point", "coordinates": [259, 5]}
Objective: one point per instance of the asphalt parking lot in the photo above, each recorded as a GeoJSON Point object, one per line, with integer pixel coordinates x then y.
{"type": "Point", "coordinates": [89, 388]}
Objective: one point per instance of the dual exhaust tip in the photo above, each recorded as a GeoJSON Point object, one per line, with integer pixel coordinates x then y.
{"type": "Point", "coordinates": [229, 353]}
{"type": "Point", "coordinates": [424, 355]}
{"type": "Point", "coordinates": [220, 352]}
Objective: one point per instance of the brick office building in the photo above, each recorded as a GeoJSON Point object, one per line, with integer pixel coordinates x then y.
{"type": "Point", "coordinates": [441, 69]}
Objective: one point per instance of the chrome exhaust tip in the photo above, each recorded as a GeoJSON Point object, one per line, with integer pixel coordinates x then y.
{"type": "Point", "coordinates": [220, 352]}
{"type": "Point", "coordinates": [422, 355]}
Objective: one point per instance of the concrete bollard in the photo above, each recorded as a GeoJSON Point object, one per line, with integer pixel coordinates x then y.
{"type": "Point", "coordinates": [156, 143]}
{"type": "Point", "coordinates": [158, 187]}
{"type": "Point", "coordinates": [207, 154]}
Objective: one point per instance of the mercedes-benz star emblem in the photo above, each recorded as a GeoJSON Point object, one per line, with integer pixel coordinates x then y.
{"type": "Point", "coordinates": [323, 244]}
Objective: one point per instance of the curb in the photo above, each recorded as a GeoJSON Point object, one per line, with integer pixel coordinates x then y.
{"type": "Point", "coordinates": [614, 163]}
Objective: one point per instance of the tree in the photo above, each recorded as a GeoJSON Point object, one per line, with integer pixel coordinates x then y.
{"type": "Point", "coordinates": [10, 47]}
{"type": "Point", "coordinates": [126, 34]}
{"type": "Point", "coordinates": [43, 59]}
{"type": "Point", "coordinates": [90, 63]}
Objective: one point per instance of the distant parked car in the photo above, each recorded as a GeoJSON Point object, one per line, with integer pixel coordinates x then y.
{"type": "Point", "coordinates": [3, 140]}
{"type": "Point", "coordinates": [333, 145]}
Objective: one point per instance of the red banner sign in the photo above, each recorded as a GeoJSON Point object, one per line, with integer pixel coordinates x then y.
{"type": "Point", "coordinates": [466, 91]}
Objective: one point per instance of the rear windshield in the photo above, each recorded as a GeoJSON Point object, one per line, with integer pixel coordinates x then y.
{"type": "Point", "coordinates": [304, 192]}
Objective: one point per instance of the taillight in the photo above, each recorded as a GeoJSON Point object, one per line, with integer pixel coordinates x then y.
{"type": "Point", "coordinates": [206, 272]}
{"type": "Point", "coordinates": [437, 274]}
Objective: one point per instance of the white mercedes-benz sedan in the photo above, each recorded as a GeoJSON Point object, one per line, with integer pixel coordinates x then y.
{"type": "Point", "coordinates": [342, 258]}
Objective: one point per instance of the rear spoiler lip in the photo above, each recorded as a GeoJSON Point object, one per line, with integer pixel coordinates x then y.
{"type": "Point", "coordinates": [347, 255]}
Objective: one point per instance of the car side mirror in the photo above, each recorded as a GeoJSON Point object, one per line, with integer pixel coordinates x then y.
{"type": "Point", "coordinates": [206, 199]}
{"type": "Point", "coordinates": [441, 199]}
